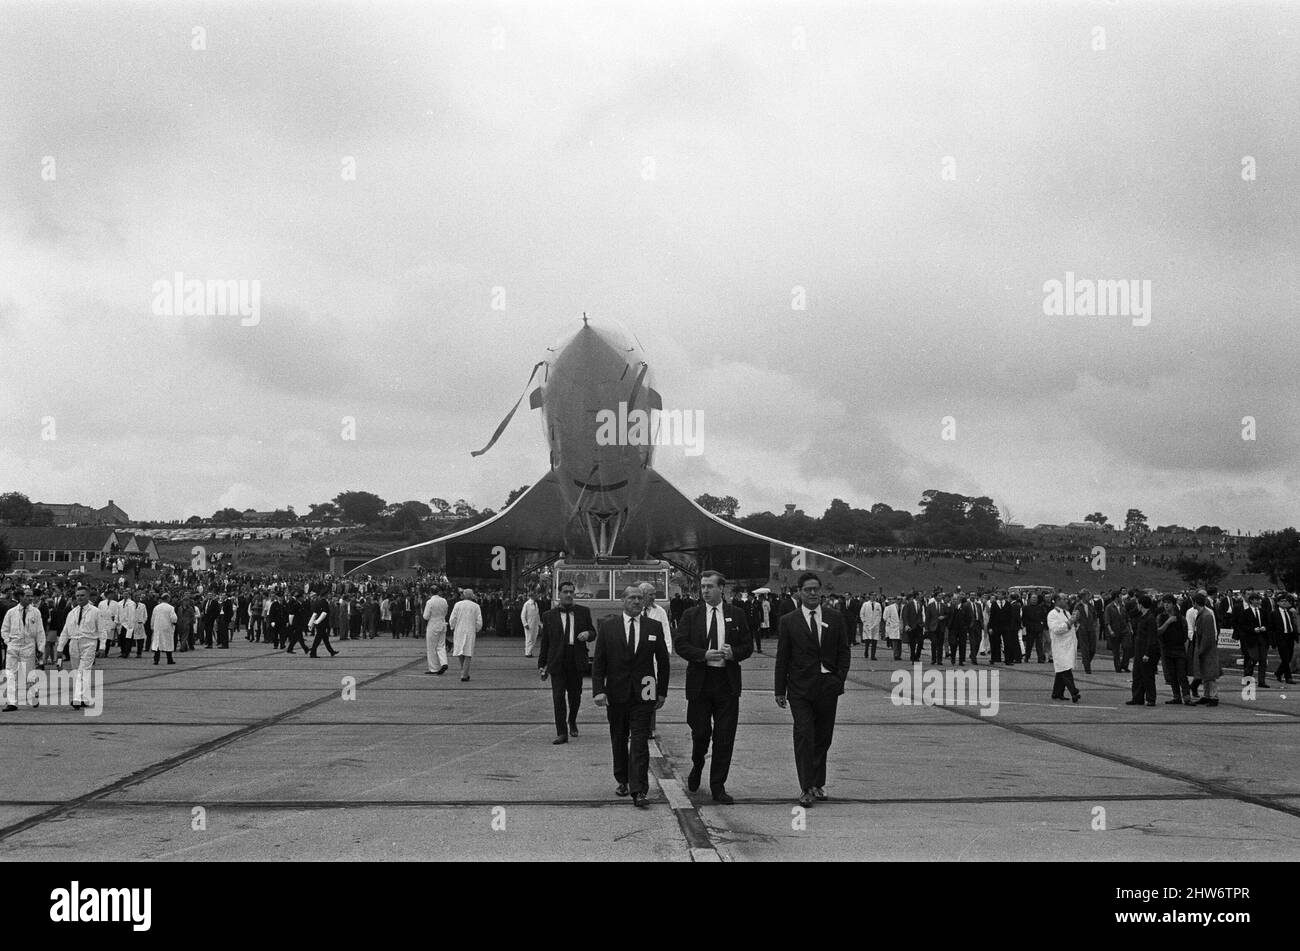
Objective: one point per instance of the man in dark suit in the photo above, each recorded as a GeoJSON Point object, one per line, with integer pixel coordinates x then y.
{"type": "Point", "coordinates": [562, 657]}
{"type": "Point", "coordinates": [1252, 628]}
{"type": "Point", "coordinates": [211, 614]}
{"type": "Point", "coordinates": [1004, 629]}
{"type": "Point", "coordinates": [934, 627]}
{"type": "Point", "coordinates": [630, 649]}
{"type": "Point", "coordinates": [714, 637]}
{"type": "Point", "coordinates": [912, 619]}
{"type": "Point", "coordinates": [959, 626]}
{"type": "Point", "coordinates": [1283, 633]}
{"type": "Point", "coordinates": [812, 663]}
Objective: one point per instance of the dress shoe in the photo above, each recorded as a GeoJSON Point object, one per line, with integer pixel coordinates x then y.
{"type": "Point", "coordinates": [573, 728]}
{"type": "Point", "coordinates": [431, 672]}
{"type": "Point", "coordinates": [464, 678]}
{"type": "Point", "coordinates": [559, 739]}
{"type": "Point", "coordinates": [722, 797]}
{"type": "Point", "coordinates": [9, 708]}
{"type": "Point", "coordinates": [1203, 702]}
{"type": "Point", "coordinates": [693, 780]}
{"type": "Point", "coordinates": [820, 794]}
{"type": "Point", "coordinates": [1075, 698]}
{"type": "Point", "coordinates": [1151, 703]}
{"type": "Point", "coordinates": [1263, 686]}
{"type": "Point", "coordinates": [806, 799]}
{"type": "Point", "coordinates": [621, 790]}
{"type": "Point", "coordinates": [1132, 703]}
{"type": "Point", "coordinates": [639, 800]}
{"type": "Point", "coordinates": [1175, 700]}
{"type": "Point", "coordinates": [1055, 697]}
{"type": "Point", "coordinates": [443, 669]}
{"type": "Point", "coordinates": [170, 661]}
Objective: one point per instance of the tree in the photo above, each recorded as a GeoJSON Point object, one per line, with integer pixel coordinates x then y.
{"type": "Point", "coordinates": [360, 507]}
{"type": "Point", "coordinates": [41, 517]}
{"type": "Point", "coordinates": [724, 507]}
{"type": "Point", "coordinates": [227, 515]}
{"type": "Point", "coordinates": [1277, 554]}
{"type": "Point", "coordinates": [1199, 572]}
{"type": "Point", "coordinates": [322, 510]}
{"type": "Point", "coordinates": [464, 509]}
{"type": "Point", "coordinates": [283, 517]}
{"type": "Point", "coordinates": [6, 559]}
{"type": "Point", "coordinates": [407, 515]}
{"type": "Point", "coordinates": [1096, 517]}
{"type": "Point", "coordinates": [1209, 530]}
{"type": "Point", "coordinates": [15, 509]}
{"type": "Point", "coordinates": [1135, 521]}
{"type": "Point", "coordinates": [514, 494]}
{"type": "Point", "coordinates": [442, 505]}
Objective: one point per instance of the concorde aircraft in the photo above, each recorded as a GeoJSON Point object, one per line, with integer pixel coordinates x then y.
{"type": "Point", "coordinates": [601, 497]}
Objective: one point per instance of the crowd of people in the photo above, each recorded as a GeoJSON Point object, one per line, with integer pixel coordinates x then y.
{"type": "Point", "coordinates": [1144, 632]}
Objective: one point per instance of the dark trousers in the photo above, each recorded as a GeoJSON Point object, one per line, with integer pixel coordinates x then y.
{"type": "Point", "coordinates": [223, 633]}
{"type": "Point", "coordinates": [1285, 651]}
{"type": "Point", "coordinates": [124, 642]}
{"type": "Point", "coordinates": [957, 647]}
{"type": "Point", "coordinates": [1118, 655]}
{"type": "Point", "coordinates": [1256, 655]}
{"type": "Point", "coordinates": [1011, 647]}
{"type": "Point", "coordinates": [207, 632]}
{"type": "Point", "coordinates": [936, 637]}
{"type": "Point", "coordinates": [1064, 681]}
{"type": "Point", "coordinates": [322, 637]}
{"type": "Point", "coordinates": [916, 641]}
{"type": "Point", "coordinates": [898, 648]}
{"type": "Point", "coordinates": [566, 693]}
{"type": "Point", "coordinates": [1144, 679]}
{"type": "Point", "coordinates": [295, 636]}
{"type": "Point", "coordinates": [713, 715]}
{"type": "Point", "coordinates": [629, 738]}
{"type": "Point", "coordinates": [1176, 677]}
{"type": "Point", "coordinates": [814, 728]}
{"type": "Point", "coordinates": [1033, 642]}
{"type": "Point", "coordinates": [758, 639]}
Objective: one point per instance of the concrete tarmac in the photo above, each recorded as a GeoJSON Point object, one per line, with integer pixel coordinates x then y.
{"type": "Point", "coordinates": [252, 754]}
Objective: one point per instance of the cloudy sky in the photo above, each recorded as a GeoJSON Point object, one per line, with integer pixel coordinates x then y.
{"type": "Point", "coordinates": [918, 170]}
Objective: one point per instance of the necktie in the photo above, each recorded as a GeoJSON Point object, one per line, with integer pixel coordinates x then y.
{"type": "Point", "coordinates": [631, 634]}
{"type": "Point", "coordinates": [568, 634]}
{"type": "Point", "coordinates": [80, 614]}
{"type": "Point", "coordinates": [815, 627]}
{"type": "Point", "coordinates": [713, 629]}
{"type": "Point", "coordinates": [24, 617]}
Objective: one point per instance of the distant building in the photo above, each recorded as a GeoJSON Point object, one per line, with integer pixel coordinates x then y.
{"type": "Point", "coordinates": [59, 548]}
{"type": "Point", "coordinates": [74, 513]}
{"type": "Point", "coordinates": [142, 545]}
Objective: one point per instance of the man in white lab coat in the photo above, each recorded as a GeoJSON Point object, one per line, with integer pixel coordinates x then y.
{"type": "Point", "coordinates": [22, 630]}
{"type": "Point", "coordinates": [466, 621]}
{"type": "Point", "coordinates": [82, 632]}
{"type": "Point", "coordinates": [163, 623]}
{"type": "Point", "coordinates": [435, 633]}
{"type": "Point", "coordinates": [532, 621]}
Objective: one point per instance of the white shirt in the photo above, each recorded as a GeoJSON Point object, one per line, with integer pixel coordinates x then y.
{"type": "Point", "coordinates": [628, 629]}
{"type": "Point", "coordinates": [816, 627]}
{"type": "Point", "coordinates": [709, 613]}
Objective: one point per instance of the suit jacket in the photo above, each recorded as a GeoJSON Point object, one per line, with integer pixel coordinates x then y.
{"type": "Point", "coordinates": [550, 656]}
{"type": "Point", "coordinates": [1146, 638]}
{"type": "Point", "coordinates": [799, 659]}
{"type": "Point", "coordinates": [1005, 619]}
{"type": "Point", "coordinates": [692, 640]}
{"type": "Point", "coordinates": [932, 614]}
{"type": "Point", "coordinates": [963, 618]}
{"type": "Point", "coordinates": [912, 616]}
{"type": "Point", "coordinates": [1275, 626]}
{"type": "Point", "coordinates": [1116, 617]}
{"type": "Point", "coordinates": [624, 677]}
